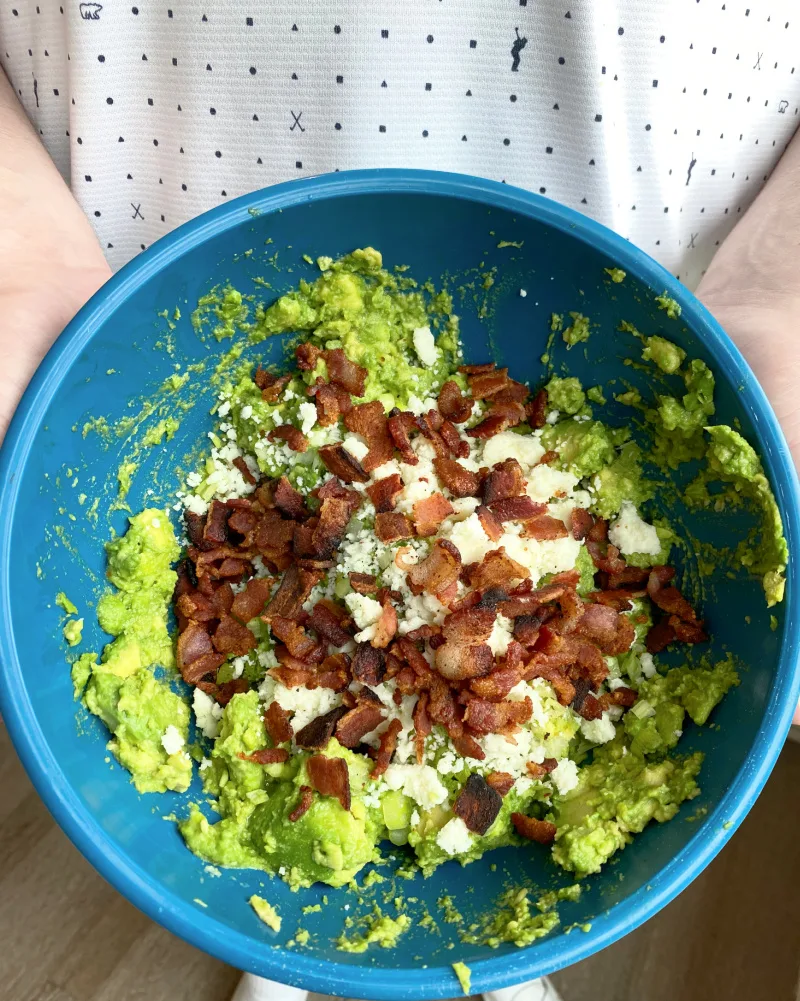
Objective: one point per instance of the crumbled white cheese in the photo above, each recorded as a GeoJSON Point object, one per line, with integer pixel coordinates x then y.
{"type": "Point", "coordinates": [565, 775]}
{"type": "Point", "coordinates": [366, 612]}
{"type": "Point", "coordinates": [454, 838]}
{"type": "Point", "coordinates": [523, 292]}
{"type": "Point", "coordinates": [599, 731]}
{"type": "Point", "coordinates": [306, 704]}
{"type": "Point", "coordinates": [630, 534]}
{"type": "Point", "coordinates": [419, 782]}
{"type": "Point", "coordinates": [527, 449]}
{"type": "Point", "coordinates": [238, 665]}
{"type": "Point", "coordinates": [501, 636]}
{"type": "Point", "coordinates": [246, 412]}
{"type": "Point", "coordinates": [545, 482]}
{"type": "Point", "coordinates": [648, 665]}
{"type": "Point", "coordinates": [172, 741]}
{"type": "Point", "coordinates": [425, 346]}
{"type": "Point", "coordinates": [308, 416]}
{"type": "Point", "coordinates": [207, 713]}
{"type": "Point", "coordinates": [356, 446]}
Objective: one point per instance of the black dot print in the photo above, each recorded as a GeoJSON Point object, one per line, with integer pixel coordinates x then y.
{"type": "Point", "coordinates": [249, 22]}
{"type": "Point", "coordinates": [598, 118]}
{"type": "Point", "coordinates": [506, 142]}
{"type": "Point", "coordinates": [217, 154]}
{"type": "Point", "coordinates": [429, 39]}
{"type": "Point", "coordinates": [548, 149]}
{"type": "Point", "coordinates": [473, 43]}
{"type": "Point", "coordinates": [109, 100]}
{"type": "Point", "coordinates": [101, 59]}
{"type": "Point", "coordinates": [183, 187]}
{"type": "Point", "coordinates": [337, 29]}
{"type": "Point", "coordinates": [384, 32]}
{"type": "Point", "coordinates": [339, 79]}
{"type": "Point", "coordinates": [134, 10]}
{"type": "Point", "coordinates": [620, 30]}
{"type": "Point", "coordinates": [381, 128]}
{"type": "Point", "coordinates": [338, 126]}
{"type": "Point", "coordinates": [299, 164]}
{"type": "Point", "coordinates": [97, 213]}
{"type": "Point", "coordinates": [561, 60]}
{"type": "Point", "coordinates": [512, 98]}
{"type": "Point", "coordinates": [252, 71]}
{"type": "Point", "coordinates": [428, 86]}
{"type": "Point", "coordinates": [424, 133]}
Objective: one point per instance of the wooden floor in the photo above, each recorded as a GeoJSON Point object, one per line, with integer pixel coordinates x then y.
{"type": "Point", "coordinates": [65, 935]}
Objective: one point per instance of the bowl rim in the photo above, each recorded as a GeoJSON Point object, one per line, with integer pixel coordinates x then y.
{"type": "Point", "coordinates": [200, 928]}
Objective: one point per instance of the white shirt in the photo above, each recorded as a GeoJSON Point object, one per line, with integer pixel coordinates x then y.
{"type": "Point", "coordinates": [660, 118]}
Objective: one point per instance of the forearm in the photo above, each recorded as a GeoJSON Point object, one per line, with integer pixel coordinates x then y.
{"type": "Point", "coordinates": [753, 288]}
{"type": "Point", "coordinates": [50, 260]}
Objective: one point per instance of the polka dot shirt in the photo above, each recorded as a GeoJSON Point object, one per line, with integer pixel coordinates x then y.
{"type": "Point", "coordinates": [660, 118]}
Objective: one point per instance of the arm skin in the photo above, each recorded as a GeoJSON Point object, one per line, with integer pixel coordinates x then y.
{"type": "Point", "coordinates": [752, 287]}
{"type": "Point", "coordinates": [50, 260]}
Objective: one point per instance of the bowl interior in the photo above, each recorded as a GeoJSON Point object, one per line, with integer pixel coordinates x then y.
{"type": "Point", "coordinates": [120, 351]}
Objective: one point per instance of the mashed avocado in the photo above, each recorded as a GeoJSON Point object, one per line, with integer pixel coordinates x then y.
{"type": "Point", "coordinates": [379, 929]}
{"type": "Point", "coordinates": [121, 687]}
{"type": "Point", "coordinates": [266, 912]}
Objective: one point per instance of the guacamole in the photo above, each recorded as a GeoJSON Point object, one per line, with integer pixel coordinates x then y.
{"type": "Point", "coordinates": [419, 606]}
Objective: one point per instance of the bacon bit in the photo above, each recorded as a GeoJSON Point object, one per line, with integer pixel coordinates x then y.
{"type": "Point", "coordinates": [621, 600]}
{"type": "Point", "coordinates": [452, 405]}
{"type": "Point", "coordinates": [195, 524]}
{"type": "Point", "coordinates": [496, 686]}
{"type": "Point", "coordinates": [563, 687]}
{"type": "Point", "coordinates": [226, 691]}
{"type": "Point", "coordinates": [536, 410]}
{"type": "Point", "coordinates": [385, 627]}
{"type": "Point", "coordinates": [490, 523]}
{"type": "Point", "coordinates": [400, 426]}
{"type": "Point", "coordinates": [195, 607]}
{"type": "Point", "coordinates": [243, 522]}
{"type": "Point", "coordinates": [422, 725]}
{"type": "Point", "coordinates": [273, 391]}
{"type": "Point", "coordinates": [293, 676]}
{"type": "Point", "coordinates": [457, 662]}
{"type": "Point", "coordinates": [194, 647]}
{"type": "Point", "coordinates": [689, 632]}
{"type": "Point", "coordinates": [358, 722]}
{"type": "Point", "coordinates": [489, 426]}
{"type": "Point", "coordinates": [548, 458]}
{"type": "Point", "coordinates": [342, 464]}
{"type": "Point", "coordinates": [231, 636]}
{"type": "Point", "coordinates": [247, 604]}
{"type": "Point", "coordinates": [383, 493]}
{"type": "Point", "coordinates": [497, 568]}
{"type": "Point", "coordinates": [453, 440]}
{"type": "Point", "coordinates": [484, 385]}
{"type": "Point", "coordinates": [460, 481]}
{"type": "Point", "coordinates": [215, 530]}
{"type": "Point", "coordinates": [513, 413]}
{"type": "Point", "coordinates": [272, 534]}
{"type": "Point", "coordinates": [363, 583]}
{"type": "Point", "coordinates": [668, 599]}
{"type": "Point", "coordinates": [606, 628]}
{"type": "Point", "coordinates": [327, 534]}
{"type": "Point", "coordinates": [426, 632]}
{"type": "Point", "coordinates": [538, 771]}
{"type": "Point", "coordinates": [504, 479]}
{"type": "Point", "coordinates": [369, 420]}
{"type": "Point", "coordinates": [276, 721]}
{"type": "Point", "coordinates": [478, 804]}
{"type": "Point", "coordinates": [303, 804]}
{"type": "Point", "coordinates": [661, 635]}
{"type": "Point", "coordinates": [344, 372]}
{"type": "Point", "coordinates": [430, 512]}
{"type": "Point", "coordinates": [482, 716]}
{"type": "Point", "coordinates": [544, 528]}
{"type": "Point", "coordinates": [477, 369]}
{"type": "Point", "coordinates": [316, 734]}
{"type": "Point", "coordinates": [328, 403]}
{"type": "Point", "coordinates": [429, 425]}
{"type": "Point", "coordinates": [501, 782]}
{"type": "Point", "coordinates": [611, 562]}
{"type": "Point", "coordinates": [332, 489]}
{"type": "Point", "coordinates": [440, 568]}
{"type": "Point", "coordinates": [467, 746]}
{"type": "Point", "coordinates": [391, 526]}
{"type": "Point", "coordinates": [288, 500]}
{"type": "Point", "coordinates": [582, 523]}
{"type": "Point", "coordinates": [540, 831]}
{"type": "Point", "coordinates": [630, 575]}
{"type": "Point", "coordinates": [584, 703]}
{"type": "Point", "coordinates": [266, 756]}
{"type": "Point", "coordinates": [307, 356]}
{"type": "Point", "coordinates": [327, 622]}
{"type": "Point", "coordinates": [262, 378]}
{"type": "Point", "coordinates": [294, 589]}
{"type": "Point", "coordinates": [293, 437]}
{"type": "Point", "coordinates": [526, 629]}
{"type": "Point", "coordinates": [369, 665]}
{"type": "Point", "coordinates": [299, 644]}
{"type": "Point", "coordinates": [625, 697]}
{"type": "Point", "coordinates": [518, 509]}
{"type": "Point", "coordinates": [470, 626]}
{"type": "Point", "coordinates": [386, 748]}
{"type": "Point", "coordinates": [329, 776]}
{"type": "Point", "coordinates": [512, 392]}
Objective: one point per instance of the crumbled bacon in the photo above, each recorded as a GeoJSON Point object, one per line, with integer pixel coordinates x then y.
{"type": "Point", "coordinates": [460, 481]}
{"type": "Point", "coordinates": [503, 480]}
{"type": "Point", "coordinates": [329, 776]}
{"type": "Point", "coordinates": [422, 725]}
{"type": "Point", "coordinates": [458, 662]}
{"type": "Point", "coordinates": [369, 420]}
{"type": "Point", "coordinates": [391, 526]}
{"type": "Point", "coordinates": [297, 641]}
{"type": "Point", "coordinates": [276, 721]}
{"type": "Point", "coordinates": [231, 636]}
{"type": "Point", "coordinates": [247, 604]}
{"type": "Point", "coordinates": [668, 599]}
{"type": "Point", "coordinates": [196, 656]}
{"type": "Point", "coordinates": [467, 746]}
{"type": "Point", "coordinates": [326, 620]}
{"type": "Point", "coordinates": [625, 697]}
{"type": "Point", "coordinates": [195, 607]}
{"type": "Point", "coordinates": [438, 571]}
{"type": "Point", "coordinates": [430, 512]}
{"type": "Point", "coordinates": [477, 369]}
{"type": "Point", "coordinates": [344, 372]}
{"type": "Point", "coordinates": [327, 534]}
{"type": "Point", "coordinates": [429, 424]}
{"type": "Point", "coordinates": [478, 804]}
{"type": "Point", "coordinates": [496, 686]}
{"type": "Point", "coordinates": [605, 627]}
{"type": "Point", "coordinates": [518, 509]}
{"type": "Point", "coordinates": [621, 600]}
{"type": "Point", "coordinates": [544, 527]}
{"type": "Point", "coordinates": [501, 782]}
{"type": "Point", "coordinates": [342, 464]}
{"type": "Point", "coordinates": [215, 531]}
{"type": "Point", "coordinates": [358, 722]}
{"type": "Point", "coordinates": [328, 402]}
{"type": "Point", "coordinates": [453, 440]}
{"type": "Point", "coordinates": [293, 437]}
{"type": "Point", "coordinates": [536, 410]}
{"type": "Point", "coordinates": [384, 492]}
{"type": "Point", "coordinates": [541, 831]}
{"type": "Point", "coordinates": [630, 575]}
{"type": "Point", "coordinates": [400, 426]}
{"type": "Point", "coordinates": [275, 385]}
{"type": "Point", "coordinates": [452, 405]}
{"type": "Point", "coordinates": [195, 523]}
{"type": "Point", "coordinates": [266, 756]}
{"type": "Point", "coordinates": [294, 589]}
{"type": "Point", "coordinates": [511, 412]}
{"type": "Point", "coordinates": [484, 385]}
{"type": "Point", "coordinates": [470, 626]}
{"type": "Point", "coordinates": [369, 665]}
{"type": "Point", "coordinates": [363, 583]}
{"type": "Point", "coordinates": [316, 734]}
{"type": "Point", "coordinates": [288, 500]}
{"type": "Point", "coordinates": [482, 716]}
{"type": "Point", "coordinates": [581, 522]}
{"type": "Point", "coordinates": [491, 425]}
{"type": "Point", "coordinates": [333, 489]}
{"type": "Point", "coordinates": [386, 748]}
{"type": "Point", "coordinates": [497, 568]}
{"type": "Point", "coordinates": [307, 356]}
{"type": "Point", "coordinates": [537, 770]}
{"type": "Point", "coordinates": [226, 691]}
{"type": "Point", "coordinates": [303, 804]}
{"type": "Point", "coordinates": [490, 523]}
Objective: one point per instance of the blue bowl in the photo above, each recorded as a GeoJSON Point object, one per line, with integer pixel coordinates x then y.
{"type": "Point", "coordinates": [118, 350]}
